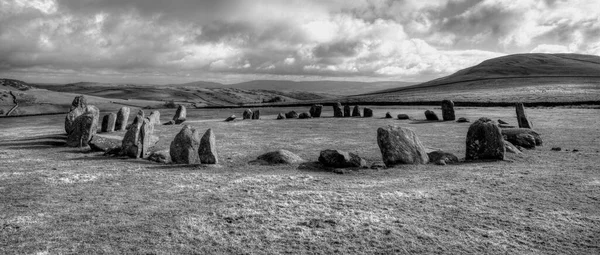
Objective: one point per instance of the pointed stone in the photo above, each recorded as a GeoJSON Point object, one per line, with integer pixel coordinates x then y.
{"type": "Point", "coordinates": [522, 117]}
{"type": "Point", "coordinates": [108, 122]}
{"type": "Point", "coordinates": [122, 118]}
{"type": "Point", "coordinates": [448, 110]}
{"type": "Point", "coordinates": [155, 117]}
{"type": "Point", "coordinates": [430, 115]}
{"type": "Point", "coordinates": [388, 115]}
{"type": "Point", "coordinates": [356, 111]}
{"type": "Point", "coordinates": [400, 146]}
{"type": "Point", "coordinates": [337, 110]}
{"type": "Point", "coordinates": [230, 118]}
{"type": "Point", "coordinates": [207, 151]}
{"type": "Point", "coordinates": [347, 111]}
{"type": "Point", "coordinates": [484, 141]}
{"type": "Point", "coordinates": [184, 148]}
{"type": "Point", "coordinates": [180, 114]}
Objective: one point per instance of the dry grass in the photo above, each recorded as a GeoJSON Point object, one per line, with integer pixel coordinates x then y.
{"type": "Point", "coordinates": [64, 200]}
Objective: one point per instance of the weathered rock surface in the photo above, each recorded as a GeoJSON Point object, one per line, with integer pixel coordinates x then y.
{"type": "Point", "coordinates": [367, 112]}
{"type": "Point", "coordinates": [347, 111]}
{"type": "Point", "coordinates": [184, 148]}
{"type": "Point", "coordinates": [78, 107]}
{"type": "Point", "coordinates": [247, 114]}
{"type": "Point", "coordinates": [517, 136]}
{"type": "Point", "coordinates": [388, 115]}
{"type": "Point", "coordinates": [207, 151]}
{"type": "Point", "coordinates": [280, 116]}
{"type": "Point", "coordinates": [403, 116]}
{"type": "Point", "coordinates": [522, 117]}
{"type": "Point", "coordinates": [108, 122]}
{"type": "Point", "coordinates": [132, 141]}
{"type": "Point", "coordinates": [337, 110]}
{"type": "Point", "coordinates": [154, 117]}
{"type": "Point", "coordinates": [304, 115]}
{"type": "Point", "coordinates": [104, 143]}
{"type": "Point", "coordinates": [161, 156]}
{"type": "Point", "coordinates": [341, 159]}
{"type": "Point", "coordinates": [446, 157]}
{"type": "Point", "coordinates": [230, 118]}
{"type": "Point", "coordinates": [84, 128]}
{"type": "Point", "coordinates": [122, 118]}
{"type": "Point", "coordinates": [462, 120]}
{"type": "Point", "coordinates": [484, 141]}
{"type": "Point", "coordinates": [509, 147]}
{"type": "Point", "coordinates": [291, 115]}
{"type": "Point", "coordinates": [430, 115]}
{"type": "Point", "coordinates": [279, 157]}
{"type": "Point", "coordinates": [180, 114]}
{"type": "Point", "coordinates": [256, 115]}
{"type": "Point", "coordinates": [79, 102]}
{"type": "Point", "coordinates": [448, 110]}
{"type": "Point", "coordinates": [147, 137]}
{"type": "Point", "coordinates": [356, 111]}
{"type": "Point", "coordinates": [315, 111]}
{"type": "Point", "coordinates": [502, 122]}
{"type": "Point", "coordinates": [400, 146]}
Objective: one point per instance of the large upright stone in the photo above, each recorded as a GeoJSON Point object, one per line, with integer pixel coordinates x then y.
{"type": "Point", "coordinates": [147, 136]}
{"type": "Point", "coordinates": [315, 111]}
{"type": "Point", "coordinates": [108, 122]}
{"type": "Point", "coordinates": [132, 141]}
{"type": "Point", "coordinates": [400, 146]}
{"type": "Point", "coordinates": [448, 110]}
{"type": "Point", "coordinates": [522, 117]}
{"type": "Point", "coordinates": [430, 115]}
{"type": "Point", "coordinates": [184, 148]}
{"type": "Point", "coordinates": [84, 128]}
{"type": "Point", "coordinates": [180, 114]}
{"type": "Point", "coordinates": [256, 115]}
{"type": "Point", "coordinates": [337, 110]}
{"type": "Point", "coordinates": [77, 108]}
{"type": "Point", "coordinates": [122, 118]}
{"type": "Point", "coordinates": [155, 117]}
{"type": "Point", "coordinates": [367, 112]}
{"type": "Point", "coordinates": [356, 111]}
{"type": "Point", "coordinates": [347, 111]}
{"type": "Point", "coordinates": [484, 141]}
{"type": "Point", "coordinates": [207, 151]}
{"type": "Point", "coordinates": [247, 114]}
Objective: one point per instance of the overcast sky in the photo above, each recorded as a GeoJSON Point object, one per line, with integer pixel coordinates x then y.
{"type": "Point", "coordinates": [146, 41]}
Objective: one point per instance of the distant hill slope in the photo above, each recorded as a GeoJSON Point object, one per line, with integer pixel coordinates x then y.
{"type": "Point", "coordinates": [519, 77]}
{"type": "Point", "coordinates": [329, 87]}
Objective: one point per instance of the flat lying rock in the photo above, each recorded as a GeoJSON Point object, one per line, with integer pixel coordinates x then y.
{"type": "Point", "coordinates": [108, 122]}
{"type": "Point", "coordinates": [442, 157]}
{"type": "Point", "coordinates": [337, 110]}
{"type": "Point", "coordinates": [247, 114]}
{"type": "Point", "coordinates": [304, 115]}
{"type": "Point", "coordinates": [230, 118]}
{"type": "Point", "coordinates": [484, 141]}
{"type": "Point", "coordinates": [403, 117]}
{"type": "Point", "coordinates": [522, 137]}
{"type": "Point", "coordinates": [280, 116]}
{"type": "Point", "coordinates": [279, 157]}
{"type": "Point", "coordinates": [502, 122]}
{"type": "Point", "coordinates": [291, 115]}
{"type": "Point", "coordinates": [315, 111]}
{"type": "Point", "coordinates": [122, 118]}
{"type": "Point", "coordinates": [511, 148]}
{"type": "Point", "coordinates": [184, 148]}
{"type": "Point", "coordinates": [207, 150]}
{"type": "Point", "coordinates": [400, 146]}
{"type": "Point", "coordinates": [430, 115]}
{"type": "Point", "coordinates": [341, 159]}
{"type": "Point", "coordinates": [104, 143]}
{"type": "Point", "coordinates": [462, 120]}
{"type": "Point", "coordinates": [161, 156]}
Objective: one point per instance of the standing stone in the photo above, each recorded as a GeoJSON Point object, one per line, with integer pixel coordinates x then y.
{"type": "Point", "coordinates": [84, 128]}
{"type": "Point", "coordinates": [315, 111]}
{"type": "Point", "coordinates": [146, 136]}
{"type": "Point", "coordinates": [180, 114]}
{"type": "Point", "coordinates": [155, 117]}
{"type": "Point", "coordinates": [95, 114]}
{"type": "Point", "coordinates": [247, 114]}
{"type": "Point", "coordinates": [291, 115]}
{"type": "Point", "coordinates": [484, 141]}
{"type": "Point", "coordinates": [347, 111]}
{"type": "Point", "coordinates": [400, 146]}
{"type": "Point", "coordinates": [430, 115]}
{"type": "Point", "coordinates": [341, 159]}
{"type": "Point", "coordinates": [388, 115]}
{"type": "Point", "coordinates": [132, 141]}
{"type": "Point", "coordinates": [122, 118]}
{"type": "Point", "coordinates": [184, 148]}
{"type": "Point", "coordinates": [522, 117]}
{"type": "Point", "coordinates": [207, 151]}
{"type": "Point", "coordinates": [108, 122]}
{"type": "Point", "coordinates": [337, 110]}
{"type": "Point", "coordinates": [356, 111]}
{"type": "Point", "coordinates": [280, 116]}
{"type": "Point", "coordinates": [304, 115]}
{"type": "Point", "coordinates": [141, 113]}
{"type": "Point", "coordinates": [448, 110]}
{"type": "Point", "coordinates": [367, 112]}
{"type": "Point", "coordinates": [77, 108]}
{"type": "Point", "coordinates": [256, 115]}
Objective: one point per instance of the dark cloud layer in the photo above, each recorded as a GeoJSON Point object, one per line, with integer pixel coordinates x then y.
{"type": "Point", "coordinates": [232, 40]}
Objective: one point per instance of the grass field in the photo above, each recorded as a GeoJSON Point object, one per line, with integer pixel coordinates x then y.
{"type": "Point", "coordinates": [55, 199]}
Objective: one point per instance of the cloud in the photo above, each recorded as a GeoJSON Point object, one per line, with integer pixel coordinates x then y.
{"type": "Point", "coordinates": [218, 40]}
